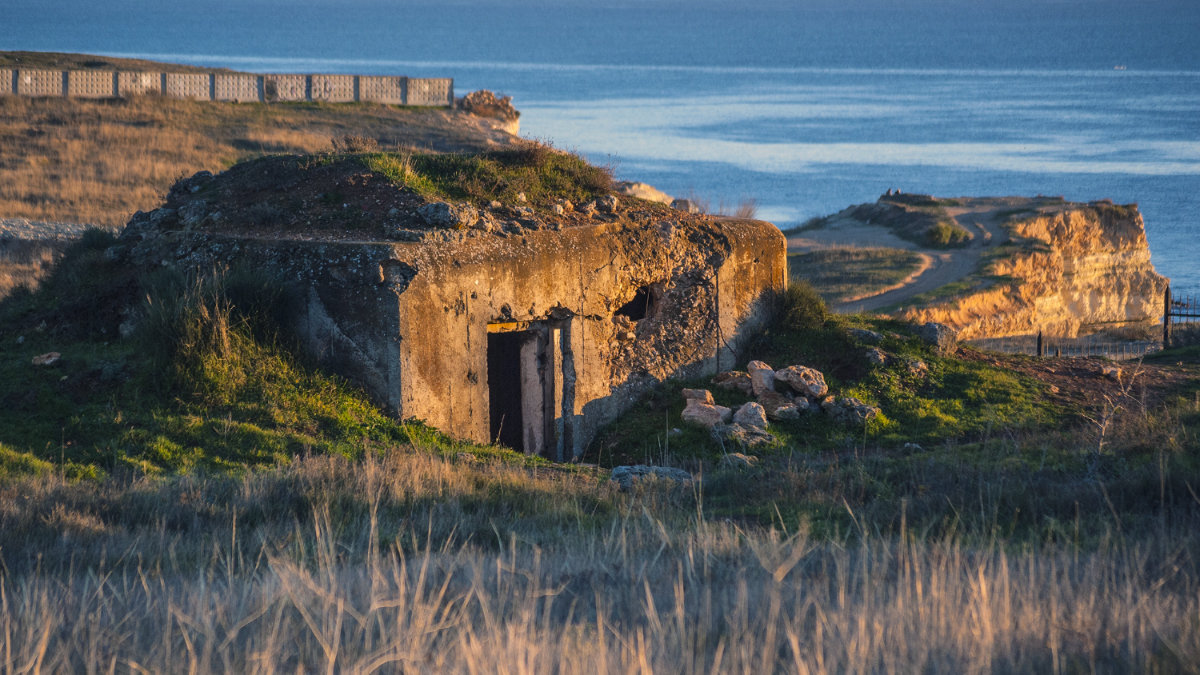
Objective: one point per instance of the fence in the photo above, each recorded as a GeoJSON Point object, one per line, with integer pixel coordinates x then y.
{"type": "Point", "coordinates": [235, 87]}
{"type": "Point", "coordinates": [1181, 316]}
{"type": "Point", "coordinates": [1038, 345]}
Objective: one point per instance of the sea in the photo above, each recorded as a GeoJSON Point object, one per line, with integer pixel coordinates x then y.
{"type": "Point", "coordinates": [803, 106]}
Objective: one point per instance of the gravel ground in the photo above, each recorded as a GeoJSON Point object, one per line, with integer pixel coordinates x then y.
{"type": "Point", "coordinates": [31, 230]}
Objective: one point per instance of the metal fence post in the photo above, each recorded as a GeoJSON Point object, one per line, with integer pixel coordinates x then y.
{"type": "Point", "coordinates": [1167, 317]}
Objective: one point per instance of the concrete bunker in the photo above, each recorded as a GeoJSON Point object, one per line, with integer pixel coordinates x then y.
{"type": "Point", "coordinates": [533, 332]}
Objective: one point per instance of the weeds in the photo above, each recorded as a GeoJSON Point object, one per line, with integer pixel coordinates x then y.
{"type": "Point", "coordinates": [537, 171]}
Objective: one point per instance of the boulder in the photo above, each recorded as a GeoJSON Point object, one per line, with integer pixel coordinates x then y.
{"type": "Point", "coordinates": [849, 410]}
{"type": "Point", "coordinates": [736, 460]}
{"type": "Point", "coordinates": [685, 205]}
{"type": "Point", "coordinates": [735, 380]}
{"type": "Point", "coordinates": [627, 476]}
{"type": "Point", "coordinates": [705, 414]}
{"type": "Point", "coordinates": [445, 214]}
{"type": "Point", "coordinates": [751, 415]}
{"type": "Point", "coordinates": [941, 337]}
{"type": "Point", "coordinates": [701, 395]}
{"type": "Point", "coordinates": [762, 377]}
{"type": "Point", "coordinates": [607, 204]}
{"type": "Point", "coordinates": [876, 356]}
{"type": "Point", "coordinates": [804, 380]}
{"type": "Point", "coordinates": [779, 406]}
{"type": "Point", "coordinates": [742, 436]}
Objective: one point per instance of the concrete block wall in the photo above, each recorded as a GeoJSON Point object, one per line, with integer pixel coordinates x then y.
{"type": "Point", "coordinates": [285, 88]}
{"type": "Point", "coordinates": [335, 88]}
{"type": "Point", "coordinates": [91, 84]}
{"type": "Point", "coordinates": [188, 85]}
{"type": "Point", "coordinates": [430, 91]}
{"type": "Point", "coordinates": [238, 87]}
{"type": "Point", "coordinates": [40, 82]}
{"type": "Point", "coordinates": [137, 84]}
{"type": "Point", "coordinates": [382, 89]}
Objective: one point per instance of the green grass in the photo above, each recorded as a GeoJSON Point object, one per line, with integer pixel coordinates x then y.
{"type": "Point", "coordinates": [946, 233]}
{"type": "Point", "coordinates": [543, 174]}
{"type": "Point", "coordinates": [839, 274]}
{"type": "Point", "coordinates": [206, 383]}
{"type": "Point", "coordinates": [957, 401]}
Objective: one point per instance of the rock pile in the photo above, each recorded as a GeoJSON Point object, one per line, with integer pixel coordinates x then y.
{"type": "Point", "coordinates": [778, 395]}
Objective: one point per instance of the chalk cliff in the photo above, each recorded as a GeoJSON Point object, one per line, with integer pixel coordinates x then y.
{"type": "Point", "coordinates": [1069, 269]}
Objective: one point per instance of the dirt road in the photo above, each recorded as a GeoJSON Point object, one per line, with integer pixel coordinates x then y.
{"type": "Point", "coordinates": [981, 217]}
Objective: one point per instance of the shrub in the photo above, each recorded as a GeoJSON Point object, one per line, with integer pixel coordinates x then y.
{"type": "Point", "coordinates": [349, 143]}
{"type": "Point", "coordinates": [945, 234]}
{"type": "Point", "coordinates": [801, 307]}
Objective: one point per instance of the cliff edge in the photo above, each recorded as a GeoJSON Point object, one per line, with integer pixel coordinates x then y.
{"type": "Point", "coordinates": [1067, 269]}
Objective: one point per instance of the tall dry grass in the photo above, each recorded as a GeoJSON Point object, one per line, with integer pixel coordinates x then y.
{"type": "Point", "coordinates": [98, 162]}
{"type": "Point", "coordinates": [412, 563]}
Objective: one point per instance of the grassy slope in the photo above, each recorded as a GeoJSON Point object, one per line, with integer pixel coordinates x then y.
{"type": "Point", "coordinates": [99, 161]}
{"type": "Point", "coordinates": [840, 274]}
{"type": "Point", "coordinates": [229, 505]}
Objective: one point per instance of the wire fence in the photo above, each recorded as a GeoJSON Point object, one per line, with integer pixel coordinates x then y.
{"type": "Point", "coordinates": [1116, 350]}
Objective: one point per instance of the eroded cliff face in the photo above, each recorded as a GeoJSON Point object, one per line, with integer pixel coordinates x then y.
{"type": "Point", "coordinates": [1071, 270]}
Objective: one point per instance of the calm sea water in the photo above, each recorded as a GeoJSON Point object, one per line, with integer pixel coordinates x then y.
{"type": "Point", "coordinates": [804, 106]}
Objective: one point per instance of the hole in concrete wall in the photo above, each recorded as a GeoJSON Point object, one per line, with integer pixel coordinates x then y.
{"type": "Point", "coordinates": [639, 307]}
{"type": "Point", "coordinates": [504, 388]}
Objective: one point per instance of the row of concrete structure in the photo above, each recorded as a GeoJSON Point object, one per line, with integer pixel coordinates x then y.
{"type": "Point", "coordinates": [237, 87]}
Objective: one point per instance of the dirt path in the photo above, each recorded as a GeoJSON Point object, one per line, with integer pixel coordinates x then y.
{"type": "Point", "coordinates": [981, 217]}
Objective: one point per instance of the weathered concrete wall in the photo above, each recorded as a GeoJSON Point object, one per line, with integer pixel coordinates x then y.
{"type": "Point", "coordinates": [91, 84]}
{"type": "Point", "coordinates": [188, 85]}
{"type": "Point", "coordinates": [40, 82]}
{"type": "Point", "coordinates": [430, 91]}
{"type": "Point", "coordinates": [138, 84]}
{"type": "Point", "coordinates": [285, 88]}
{"type": "Point", "coordinates": [382, 89]}
{"type": "Point", "coordinates": [334, 88]}
{"type": "Point", "coordinates": [411, 322]}
{"type": "Point", "coordinates": [236, 87]}
{"type": "Point", "coordinates": [707, 284]}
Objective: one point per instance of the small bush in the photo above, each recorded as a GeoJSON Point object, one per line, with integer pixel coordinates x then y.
{"type": "Point", "coordinates": [946, 234]}
{"type": "Point", "coordinates": [801, 307]}
{"type": "Point", "coordinates": [350, 143]}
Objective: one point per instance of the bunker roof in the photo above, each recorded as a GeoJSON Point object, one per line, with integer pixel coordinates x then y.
{"type": "Point", "coordinates": [413, 197]}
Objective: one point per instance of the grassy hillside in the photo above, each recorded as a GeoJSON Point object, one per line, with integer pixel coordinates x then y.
{"type": "Point", "coordinates": [181, 486]}
{"type": "Point", "coordinates": [97, 162]}
{"type": "Point", "coordinates": [195, 491]}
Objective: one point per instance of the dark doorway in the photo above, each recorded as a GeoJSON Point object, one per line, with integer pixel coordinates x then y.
{"type": "Point", "coordinates": [505, 399]}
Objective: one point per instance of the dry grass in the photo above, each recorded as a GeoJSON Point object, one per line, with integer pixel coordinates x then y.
{"type": "Point", "coordinates": [413, 563]}
{"type": "Point", "coordinates": [99, 161]}
{"type": "Point", "coordinates": [26, 263]}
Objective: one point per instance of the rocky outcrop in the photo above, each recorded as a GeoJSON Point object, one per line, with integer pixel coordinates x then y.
{"type": "Point", "coordinates": [1076, 269]}
{"type": "Point", "coordinates": [484, 103]}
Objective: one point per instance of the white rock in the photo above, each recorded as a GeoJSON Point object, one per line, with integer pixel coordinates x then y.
{"type": "Point", "coordinates": [751, 415]}
{"type": "Point", "coordinates": [762, 377]}
{"type": "Point", "coordinates": [701, 395]}
{"type": "Point", "coordinates": [804, 380]}
{"type": "Point", "coordinates": [705, 415]}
